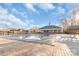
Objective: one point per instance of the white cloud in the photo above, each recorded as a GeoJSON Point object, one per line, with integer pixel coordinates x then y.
{"type": "Point", "coordinates": [43, 6]}
{"type": "Point", "coordinates": [14, 19]}
{"type": "Point", "coordinates": [23, 14]}
{"type": "Point", "coordinates": [5, 23]}
{"type": "Point", "coordinates": [30, 7]}
{"type": "Point", "coordinates": [36, 25]}
{"type": "Point", "coordinates": [9, 20]}
{"type": "Point", "coordinates": [46, 6]}
{"type": "Point", "coordinates": [61, 10]}
{"type": "Point", "coordinates": [3, 11]}
{"type": "Point", "coordinates": [14, 22]}
{"type": "Point", "coordinates": [29, 21]}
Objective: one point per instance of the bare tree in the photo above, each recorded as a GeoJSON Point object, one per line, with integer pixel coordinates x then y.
{"type": "Point", "coordinates": [64, 23]}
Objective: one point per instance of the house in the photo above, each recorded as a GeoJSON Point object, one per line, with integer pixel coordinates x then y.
{"type": "Point", "coordinates": [74, 29]}
{"type": "Point", "coordinates": [34, 30]}
{"type": "Point", "coordinates": [6, 31]}
{"type": "Point", "coordinates": [12, 31]}
{"type": "Point", "coordinates": [51, 29]}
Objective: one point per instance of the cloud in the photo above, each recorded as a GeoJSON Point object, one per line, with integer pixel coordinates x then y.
{"type": "Point", "coordinates": [9, 20]}
{"type": "Point", "coordinates": [43, 6]}
{"type": "Point", "coordinates": [23, 14]}
{"type": "Point", "coordinates": [61, 10]}
{"type": "Point", "coordinates": [4, 23]}
{"type": "Point", "coordinates": [30, 6]}
{"type": "Point", "coordinates": [3, 11]}
{"type": "Point", "coordinates": [15, 22]}
{"type": "Point", "coordinates": [37, 25]}
{"type": "Point", "coordinates": [73, 5]}
{"type": "Point", "coordinates": [46, 6]}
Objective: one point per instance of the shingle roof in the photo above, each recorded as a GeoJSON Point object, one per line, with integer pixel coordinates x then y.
{"type": "Point", "coordinates": [50, 27]}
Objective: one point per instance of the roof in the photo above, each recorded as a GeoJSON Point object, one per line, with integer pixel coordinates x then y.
{"type": "Point", "coordinates": [50, 27]}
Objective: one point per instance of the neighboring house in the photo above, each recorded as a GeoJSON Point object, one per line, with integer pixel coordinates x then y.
{"type": "Point", "coordinates": [6, 31]}
{"type": "Point", "coordinates": [19, 31]}
{"type": "Point", "coordinates": [12, 31]}
{"type": "Point", "coordinates": [73, 29]}
{"type": "Point", "coordinates": [34, 30]}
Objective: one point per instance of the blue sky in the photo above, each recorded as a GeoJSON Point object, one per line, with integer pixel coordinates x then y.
{"type": "Point", "coordinates": [19, 15]}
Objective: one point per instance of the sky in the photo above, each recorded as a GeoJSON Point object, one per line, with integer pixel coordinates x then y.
{"type": "Point", "coordinates": [28, 15]}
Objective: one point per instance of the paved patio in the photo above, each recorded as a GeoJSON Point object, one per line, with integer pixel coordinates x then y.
{"type": "Point", "coordinates": [34, 49]}
{"type": "Point", "coordinates": [56, 45]}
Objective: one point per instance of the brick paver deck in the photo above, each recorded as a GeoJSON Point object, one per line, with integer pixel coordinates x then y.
{"type": "Point", "coordinates": [34, 49]}
{"type": "Point", "coordinates": [61, 50]}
